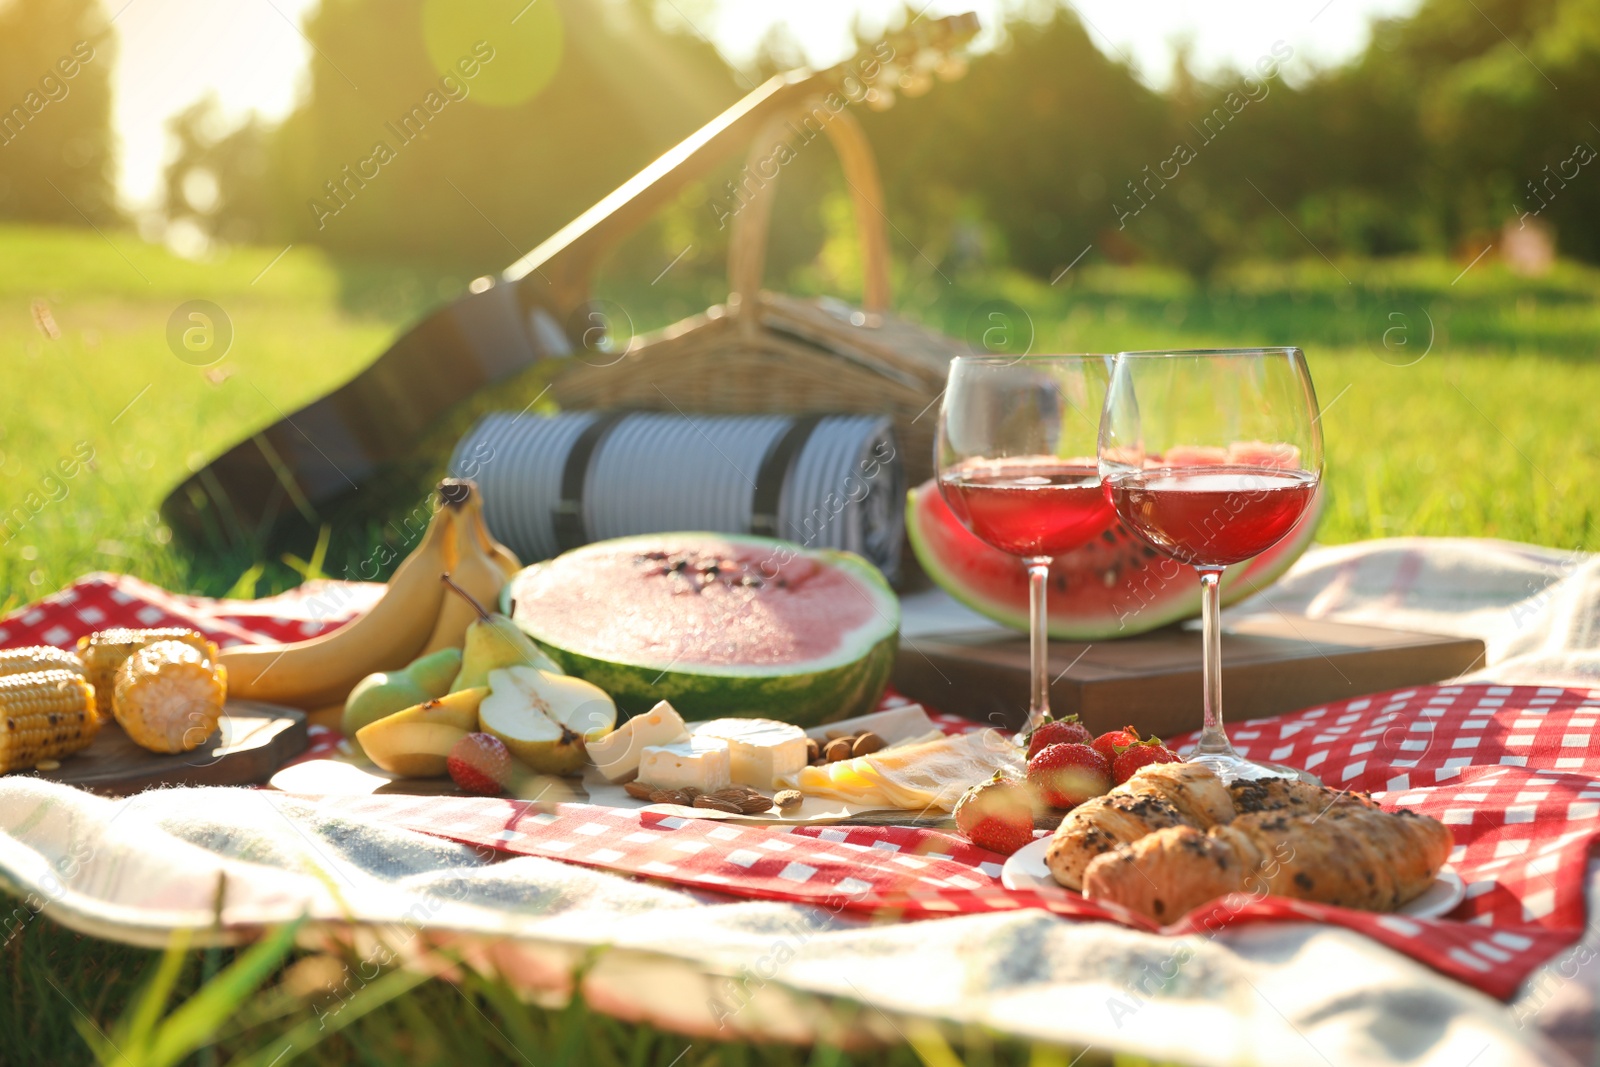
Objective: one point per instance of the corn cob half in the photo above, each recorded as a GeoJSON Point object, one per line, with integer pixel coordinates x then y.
{"type": "Point", "coordinates": [39, 658]}
{"type": "Point", "coordinates": [44, 715]}
{"type": "Point", "coordinates": [168, 696]}
{"type": "Point", "coordinates": [104, 651]}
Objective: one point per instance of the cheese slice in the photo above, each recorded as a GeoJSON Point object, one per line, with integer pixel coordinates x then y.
{"type": "Point", "coordinates": [761, 751]}
{"type": "Point", "coordinates": [617, 754]}
{"type": "Point", "coordinates": [923, 777]}
{"type": "Point", "coordinates": [701, 762]}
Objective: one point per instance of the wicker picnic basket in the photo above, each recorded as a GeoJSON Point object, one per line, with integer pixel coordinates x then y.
{"type": "Point", "coordinates": [763, 352]}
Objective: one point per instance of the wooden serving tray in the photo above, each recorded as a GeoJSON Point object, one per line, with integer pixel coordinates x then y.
{"type": "Point", "coordinates": [1270, 666]}
{"type": "Point", "coordinates": [251, 741]}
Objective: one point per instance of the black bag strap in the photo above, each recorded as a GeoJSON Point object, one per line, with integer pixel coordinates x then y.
{"type": "Point", "coordinates": [774, 474]}
{"type": "Point", "coordinates": [566, 518]}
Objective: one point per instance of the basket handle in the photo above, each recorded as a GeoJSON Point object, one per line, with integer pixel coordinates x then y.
{"type": "Point", "coordinates": [747, 247]}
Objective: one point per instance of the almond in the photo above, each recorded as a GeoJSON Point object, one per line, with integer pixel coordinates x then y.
{"type": "Point", "coordinates": [638, 790]}
{"type": "Point", "coordinates": [866, 744]}
{"type": "Point", "coordinates": [672, 796]}
{"type": "Point", "coordinates": [838, 749]}
{"type": "Point", "coordinates": [788, 799]}
{"type": "Point", "coordinates": [707, 801]}
{"type": "Point", "coordinates": [813, 750]}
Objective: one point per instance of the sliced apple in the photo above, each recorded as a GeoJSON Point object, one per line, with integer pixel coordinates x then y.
{"type": "Point", "coordinates": [544, 718]}
{"type": "Point", "coordinates": [416, 741]}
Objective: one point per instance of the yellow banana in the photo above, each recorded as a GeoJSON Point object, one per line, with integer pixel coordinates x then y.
{"type": "Point", "coordinates": [503, 556]}
{"type": "Point", "coordinates": [321, 670]}
{"type": "Point", "coordinates": [475, 571]}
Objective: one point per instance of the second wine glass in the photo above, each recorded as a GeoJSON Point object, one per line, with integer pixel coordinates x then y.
{"type": "Point", "coordinates": [1213, 457]}
{"type": "Point", "coordinates": [1016, 463]}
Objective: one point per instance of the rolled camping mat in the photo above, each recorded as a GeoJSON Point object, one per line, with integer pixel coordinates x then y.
{"type": "Point", "coordinates": [551, 483]}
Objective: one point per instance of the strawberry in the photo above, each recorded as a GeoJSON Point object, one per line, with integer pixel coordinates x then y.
{"type": "Point", "coordinates": [480, 763]}
{"type": "Point", "coordinates": [1106, 744]}
{"type": "Point", "coordinates": [997, 815]}
{"type": "Point", "coordinates": [1140, 754]}
{"type": "Point", "coordinates": [1068, 731]}
{"type": "Point", "coordinates": [1067, 775]}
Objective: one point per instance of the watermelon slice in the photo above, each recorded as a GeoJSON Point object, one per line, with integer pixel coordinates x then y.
{"type": "Point", "coordinates": [716, 624]}
{"type": "Point", "coordinates": [1115, 586]}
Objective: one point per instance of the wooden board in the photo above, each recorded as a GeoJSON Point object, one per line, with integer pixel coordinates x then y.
{"type": "Point", "coordinates": [1269, 667]}
{"type": "Point", "coordinates": [250, 743]}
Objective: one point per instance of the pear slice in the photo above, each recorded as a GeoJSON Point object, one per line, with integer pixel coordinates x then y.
{"type": "Point", "coordinates": [416, 742]}
{"type": "Point", "coordinates": [544, 718]}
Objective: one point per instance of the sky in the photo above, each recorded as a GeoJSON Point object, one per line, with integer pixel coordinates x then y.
{"type": "Point", "coordinates": [251, 55]}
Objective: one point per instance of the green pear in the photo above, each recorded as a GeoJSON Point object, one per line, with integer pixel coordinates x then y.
{"type": "Point", "coordinates": [387, 692]}
{"type": "Point", "coordinates": [493, 641]}
{"type": "Point", "coordinates": [435, 671]}
{"type": "Point", "coordinates": [544, 718]}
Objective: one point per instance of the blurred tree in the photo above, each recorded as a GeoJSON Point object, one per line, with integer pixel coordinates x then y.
{"type": "Point", "coordinates": [55, 111]}
{"type": "Point", "coordinates": [1036, 142]}
{"type": "Point", "coordinates": [220, 180]}
{"type": "Point", "coordinates": [479, 126]}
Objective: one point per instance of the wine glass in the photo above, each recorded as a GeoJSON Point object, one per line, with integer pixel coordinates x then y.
{"type": "Point", "coordinates": [1016, 463]}
{"type": "Point", "coordinates": [1212, 457]}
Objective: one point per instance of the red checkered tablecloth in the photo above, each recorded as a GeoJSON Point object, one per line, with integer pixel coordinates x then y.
{"type": "Point", "coordinates": [1512, 770]}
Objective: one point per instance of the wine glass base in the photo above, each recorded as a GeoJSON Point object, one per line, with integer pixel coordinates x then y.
{"type": "Point", "coordinates": [1232, 767]}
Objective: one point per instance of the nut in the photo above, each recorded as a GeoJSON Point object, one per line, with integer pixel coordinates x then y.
{"type": "Point", "coordinates": [813, 750]}
{"type": "Point", "coordinates": [756, 805]}
{"type": "Point", "coordinates": [788, 799]}
{"type": "Point", "coordinates": [866, 744]}
{"type": "Point", "coordinates": [834, 735]}
{"type": "Point", "coordinates": [707, 801]}
{"type": "Point", "coordinates": [838, 749]}
{"type": "Point", "coordinates": [672, 796]}
{"type": "Point", "coordinates": [638, 790]}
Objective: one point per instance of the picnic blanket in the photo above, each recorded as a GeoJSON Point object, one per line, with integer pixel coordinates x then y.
{"type": "Point", "coordinates": [1507, 765]}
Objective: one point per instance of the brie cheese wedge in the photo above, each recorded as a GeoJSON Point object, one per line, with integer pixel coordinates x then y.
{"type": "Point", "coordinates": [618, 753]}
{"type": "Point", "coordinates": [701, 762]}
{"type": "Point", "coordinates": [761, 751]}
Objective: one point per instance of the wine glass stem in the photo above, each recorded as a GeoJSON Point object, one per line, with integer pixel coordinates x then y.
{"type": "Point", "coordinates": [1038, 636]}
{"type": "Point", "coordinates": [1213, 736]}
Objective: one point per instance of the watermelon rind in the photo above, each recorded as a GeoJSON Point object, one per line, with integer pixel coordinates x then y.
{"type": "Point", "coordinates": [1140, 611]}
{"type": "Point", "coordinates": [845, 683]}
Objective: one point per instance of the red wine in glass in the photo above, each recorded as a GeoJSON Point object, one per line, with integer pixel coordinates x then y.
{"type": "Point", "coordinates": [1213, 516]}
{"type": "Point", "coordinates": [1033, 507]}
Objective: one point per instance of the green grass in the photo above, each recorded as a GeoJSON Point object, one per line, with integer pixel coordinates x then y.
{"type": "Point", "coordinates": [1486, 435]}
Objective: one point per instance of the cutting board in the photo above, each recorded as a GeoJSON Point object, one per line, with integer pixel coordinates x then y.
{"type": "Point", "coordinates": [1269, 666]}
{"type": "Point", "coordinates": [251, 741]}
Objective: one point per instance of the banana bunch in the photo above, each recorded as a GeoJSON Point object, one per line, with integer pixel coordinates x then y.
{"type": "Point", "coordinates": [413, 617]}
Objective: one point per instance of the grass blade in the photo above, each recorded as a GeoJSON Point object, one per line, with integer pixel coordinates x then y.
{"type": "Point", "coordinates": [195, 1023]}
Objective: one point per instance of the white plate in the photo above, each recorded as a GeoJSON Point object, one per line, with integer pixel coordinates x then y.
{"type": "Point", "coordinates": [1026, 869]}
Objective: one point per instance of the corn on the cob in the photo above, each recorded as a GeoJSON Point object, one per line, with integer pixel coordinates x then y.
{"type": "Point", "coordinates": [168, 696]}
{"type": "Point", "coordinates": [44, 715]}
{"type": "Point", "coordinates": [104, 651]}
{"type": "Point", "coordinates": [39, 658]}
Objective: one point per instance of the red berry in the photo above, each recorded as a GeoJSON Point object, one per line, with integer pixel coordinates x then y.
{"type": "Point", "coordinates": [997, 815]}
{"type": "Point", "coordinates": [1067, 775]}
{"type": "Point", "coordinates": [1067, 731]}
{"type": "Point", "coordinates": [480, 763]}
{"type": "Point", "coordinates": [1108, 743]}
{"type": "Point", "coordinates": [1140, 754]}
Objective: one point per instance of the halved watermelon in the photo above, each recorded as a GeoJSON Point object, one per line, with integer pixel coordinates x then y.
{"type": "Point", "coordinates": [1115, 586]}
{"type": "Point", "coordinates": [716, 624]}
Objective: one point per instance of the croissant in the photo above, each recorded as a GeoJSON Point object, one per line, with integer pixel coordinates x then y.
{"type": "Point", "coordinates": [1158, 796]}
{"type": "Point", "coordinates": [1354, 856]}
{"type": "Point", "coordinates": [1289, 796]}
